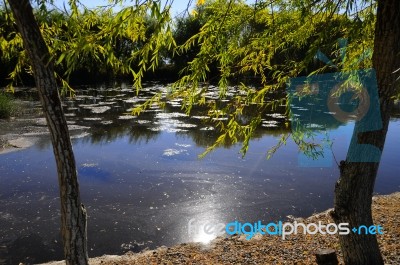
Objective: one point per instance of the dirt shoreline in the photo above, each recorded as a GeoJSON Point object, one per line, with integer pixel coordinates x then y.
{"type": "Point", "coordinates": [29, 128]}
{"type": "Point", "coordinates": [24, 130]}
{"type": "Point", "coordinates": [296, 249]}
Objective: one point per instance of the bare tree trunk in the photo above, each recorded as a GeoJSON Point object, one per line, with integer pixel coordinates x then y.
{"type": "Point", "coordinates": [353, 192]}
{"type": "Point", "coordinates": [73, 214]}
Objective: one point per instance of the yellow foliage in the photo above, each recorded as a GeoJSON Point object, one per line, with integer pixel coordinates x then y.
{"type": "Point", "coordinates": [200, 2]}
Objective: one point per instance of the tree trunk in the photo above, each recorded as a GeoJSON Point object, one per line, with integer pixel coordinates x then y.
{"type": "Point", "coordinates": [353, 192]}
{"type": "Point", "coordinates": [73, 214]}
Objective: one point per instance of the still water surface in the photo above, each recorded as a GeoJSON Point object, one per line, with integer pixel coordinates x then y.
{"type": "Point", "coordinates": [141, 179]}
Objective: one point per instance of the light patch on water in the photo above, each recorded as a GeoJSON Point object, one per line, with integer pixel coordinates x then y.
{"type": "Point", "coordinates": [92, 119]}
{"type": "Point", "coordinates": [77, 127]}
{"type": "Point", "coordinates": [200, 117]}
{"type": "Point", "coordinates": [183, 145]}
{"type": "Point", "coordinates": [83, 97]}
{"type": "Point", "coordinates": [143, 121]}
{"type": "Point", "coordinates": [212, 95]}
{"type": "Point", "coordinates": [69, 114]}
{"type": "Point", "coordinates": [100, 109]}
{"type": "Point", "coordinates": [89, 165]}
{"type": "Point", "coordinates": [154, 106]}
{"type": "Point", "coordinates": [218, 111]}
{"type": "Point", "coordinates": [131, 100]}
{"type": "Point", "coordinates": [88, 106]}
{"type": "Point", "coordinates": [130, 245]}
{"type": "Point", "coordinates": [80, 135]}
{"type": "Point", "coordinates": [276, 115]}
{"type": "Point", "coordinates": [168, 130]}
{"type": "Point", "coordinates": [186, 125]}
{"type": "Point", "coordinates": [164, 115]}
{"type": "Point", "coordinates": [269, 124]}
{"type": "Point", "coordinates": [314, 125]}
{"type": "Point", "coordinates": [176, 100]}
{"type": "Point", "coordinates": [210, 128]}
{"type": "Point", "coordinates": [37, 133]}
{"type": "Point", "coordinates": [41, 122]}
{"type": "Point", "coordinates": [153, 110]}
{"type": "Point", "coordinates": [6, 216]}
{"type": "Point", "coordinates": [173, 152]}
{"type": "Point", "coordinates": [106, 122]}
{"type": "Point", "coordinates": [126, 90]}
{"type": "Point", "coordinates": [172, 125]}
{"type": "Point", "coordinates": [220, 119]}
{"type": "Point", "coordinates": [126, 117]}
{"type": "Point", "coordinates": [107, 103]}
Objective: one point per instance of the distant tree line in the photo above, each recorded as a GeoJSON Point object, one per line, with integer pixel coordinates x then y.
{"type": "Point", "coordinates": [93, 63]}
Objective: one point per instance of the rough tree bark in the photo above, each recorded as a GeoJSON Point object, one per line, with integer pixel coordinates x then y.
{"type": "Point", "coordinates": [73, 214]}
{"type": "Point", "coordinates": [353, 192]}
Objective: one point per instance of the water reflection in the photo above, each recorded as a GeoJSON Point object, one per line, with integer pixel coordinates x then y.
{"type": "Point", "coordinates": [142, 182]}
{"type": "Point", "coordinates": [106, 116]}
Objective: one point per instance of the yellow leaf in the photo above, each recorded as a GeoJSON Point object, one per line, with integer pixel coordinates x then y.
{"type": "Point", "coordinates": [200, 2]}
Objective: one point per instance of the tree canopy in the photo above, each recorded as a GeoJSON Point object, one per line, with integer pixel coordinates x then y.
{"type": "Point", "coordinates": [223, 42]}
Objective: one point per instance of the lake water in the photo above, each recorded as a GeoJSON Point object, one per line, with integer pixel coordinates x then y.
{"type": "Point", "coordinates": [141, 179]}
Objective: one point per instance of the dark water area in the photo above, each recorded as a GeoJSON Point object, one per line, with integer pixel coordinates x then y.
{"type": "Point", "coordinates": [141, 179]}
